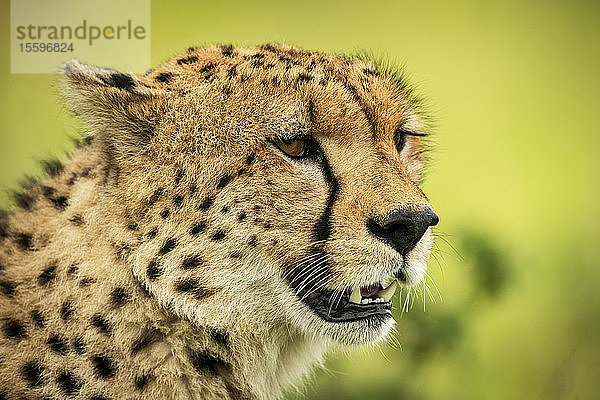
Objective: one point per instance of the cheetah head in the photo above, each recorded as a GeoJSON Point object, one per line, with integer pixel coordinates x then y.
{"type": "Point", "coordinates": [268, 187]}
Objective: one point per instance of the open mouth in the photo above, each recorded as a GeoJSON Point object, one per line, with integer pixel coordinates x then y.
{"type": "Point", "coordinates": [372, 301]}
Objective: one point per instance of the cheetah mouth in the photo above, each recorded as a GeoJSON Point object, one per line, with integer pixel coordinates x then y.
{"type": "Point", "coordinates": [372, 301]}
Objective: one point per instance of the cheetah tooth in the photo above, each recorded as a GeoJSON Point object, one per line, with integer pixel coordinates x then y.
{"type": "Point", "coordinates": [355, 296]}
{"type": "Point", "coordinates": [387, 293]}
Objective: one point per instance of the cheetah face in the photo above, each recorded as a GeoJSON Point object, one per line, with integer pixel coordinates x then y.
{"type": "Point", "coordinates": [281, 186]}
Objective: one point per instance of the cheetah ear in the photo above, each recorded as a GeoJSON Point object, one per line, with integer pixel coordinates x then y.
{"type": "Point", "coordinates": [121, 111]}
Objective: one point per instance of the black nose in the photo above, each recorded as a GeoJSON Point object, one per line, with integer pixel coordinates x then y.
{"type": "Point", "coordinates": [403, 228]}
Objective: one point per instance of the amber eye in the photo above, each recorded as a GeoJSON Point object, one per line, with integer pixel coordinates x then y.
{"type": "Point", "coordinates": [293, 148]}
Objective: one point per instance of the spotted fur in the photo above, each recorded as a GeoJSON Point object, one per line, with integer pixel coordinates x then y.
{"type": "Point", "coordinates": [158, 261]}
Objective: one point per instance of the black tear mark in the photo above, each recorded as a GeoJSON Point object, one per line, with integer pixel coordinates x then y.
{"type": "Point", "coordinates": [8, 288]}
{"type": "Point", "coordinates": [58, 344]}
{"type": "Point", "coordinates": [69, 384]}
{"type": "Point", "coordinates": [192, 262]}
{"type": "Point", "coordinates": [322, 229]}
{"type": "Point", "coordinates": [52, 167]}
{"type": "Point", "coordinates": [14, 329]}
{"type": "Point", "coordinates": [168, 246]}
{"type": "Point", "coordinates": [24, 241]}
{"type": "Point", "coordinates": [104, 367]}
{"type": "Point", "coordinates": [147, 339]}
{"type": "Point", "coordinates": [47, 276]}
{"type": "Point", "coordinates": [192, 287]}
{"type": "Point", "coordinates": [204, 361]}
{"type": "Point", "coordinates": [187, 60]}
{"type": "Point", "coordinates": [165, 77]}
{"type": "Point", "coordinates": [67, 311]}
{"type": "Point", "coordinates": [218, 235]}
{"type": "Point", "coordinates": [153, 272]}
{"type": "Point", "coordinates": [119, 297]}
{"type": "Point", "coordinates": [225, 179]}
{"type": "Point", "coordinates": [33, 374]}
{"type": "Point", "coordinates": [38, 318]}
{"type": "Point", "coordinates": [206, 203]}
{"type": "Point", "coordinates": [100, 322]}
{"type": "Point", "coordinates": [198, 228]}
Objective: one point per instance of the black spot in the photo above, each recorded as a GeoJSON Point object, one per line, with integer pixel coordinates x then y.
{"type": "Point", "coordinates": [67, 311]}
{"type": "Point", "coordinates": [38, 318]}
{"type": "Point", "coordinates": [104, 366]}
{"type": "Point", "coordinates": [250, 159]}
{"type": "Point", "coordinates": [14, 329]}
{"type": "Point", "coordinates": [253, 241]}
{"type": "Point", "coordinates": [187, 60]}
{"type": "Point", "coordinates": [198, 228]}
{"type": "Point", "coordinates": [232, 73]}
{"type": "Point", "coordinates": [47, 276]}
{"type": "Point", "coordinates": [207, 68]}
{"type": "Point", "coordinates": [193, 189]}
{"type": "Point", "coordinates": [370, 72]}
{"type": "Point", "coordinates": [119, 296]}
{"type": "Point", "coordinates": [69, 383]}
{"type": "Point", "coordinates": [178, 200]}
{"type": "Point", "coordinates": [191, 49]}
{"type": "Point", "coordinates": [169, 245]}
{"type": "Point", "coordinates": [23, 200]}
{"type": "Point", "coordinates": [165, 77]}
{"type": "Point", "coordinates": [132, 226]}
{"type": "Point", "coordinates": [244, 78]}
{"type": "Point", "coordinates": [223, 181]}
{"type": "Point", "coordinates": [179, 176]}
{"type": "Point", "coordinates": [119, 80]}
{"type": "Point", "coordinates": [192, 286]}
{"type": "Point", "coordinates": [141, 381]}
{"type": "Point", "coordinates": [218, 235]}
{"type": "Point", "coordinates": [242, 216]}
{"type": "Point", "coordinates": [52, 167]}
{"type": "Point", "coordinates": [58, 344]}
{"type": "Point", "coordinates": [267, 225]}
{"type": "Point", "coordinates": [155, 196]}
{"type": "Point", "coordinates": [303, 77]}
{"type": "Point", "coordinates": [101, 323]}
{"type": "Point", "coordinates": [86, 282]}
{"type": "Point", "coordinates": [78, 345]}
{"type": "Point", "coordinates": [235, 254]}
{"type": "Point", "coordinates": [153, 271]}
{"type": "Point", "coordinates": [204, 361]}
{"type": "Point", "coordinates": [269, 47]}
{"type": "Point", "coordinates": [33, 374]}
{"type": "Point", "coordinates": [7, 287]}
{"type": "Point", "coordinates": [219, 336]}
{"type": "Point", "coordinates": [275, 81]}
{"type": "Point", "coordinates": [24, 241]}
{"type": "Point", "coordinates": [76, 220]}
{"type": "Point", "coordinates": [257, 63]}
{"type": "Point", "coordinates": [165, 213]}
{"type": "Point", "coordinates": [60, 202]}
{"type": "Point", "coordinates": [206, 203]}
{"type": "Point", "coordinates": [72, 270]}
{"type": "Point", "coordinates": [227, 50]}
{"type": "Point", "coordinates": [152, 233]}
{"type": "Point", "coordinates": [225, 209]}
{"type": "Point", "coordinates": [192, 262]}
{"type": "Point", "coordinates": [148, 338]}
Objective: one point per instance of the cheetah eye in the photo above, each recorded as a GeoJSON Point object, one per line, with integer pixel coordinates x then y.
{"type": "Point", "coordinates": [293, 147]}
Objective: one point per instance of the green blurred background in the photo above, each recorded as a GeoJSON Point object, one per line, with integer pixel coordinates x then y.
{"type": "Point", "coordinates": [514, 89]}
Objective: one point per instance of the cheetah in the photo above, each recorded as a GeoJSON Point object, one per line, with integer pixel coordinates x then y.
{"type": "Point", "coordinates": [225, 220]}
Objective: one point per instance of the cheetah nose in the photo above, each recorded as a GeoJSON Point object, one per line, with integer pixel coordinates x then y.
{"type": "Point", "coordinates": [403, 228]}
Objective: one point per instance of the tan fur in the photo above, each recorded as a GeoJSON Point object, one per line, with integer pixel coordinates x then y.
{"type": "Point", "coordinates": [108, 235]}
